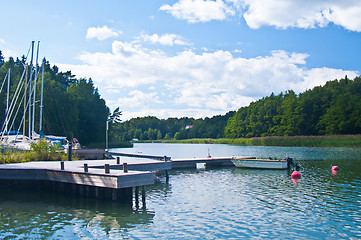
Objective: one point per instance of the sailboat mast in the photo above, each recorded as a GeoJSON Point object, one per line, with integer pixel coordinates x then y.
{"type": "Point", "coordinates": [7, 102]}
{"type": "Point", "coordinates": [30, 87]}
{"type": "Point", "coordinates": [26, 82]}
{"type": "Point", "coordinates": [41, 97]}
{"type": "Point", "coordinates": [34, 93]}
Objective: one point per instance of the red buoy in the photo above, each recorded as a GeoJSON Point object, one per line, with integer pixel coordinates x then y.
{"type": "Point", "coordinates": [296, 175]}
{"type": "Point", "coordinates": [335, 168]}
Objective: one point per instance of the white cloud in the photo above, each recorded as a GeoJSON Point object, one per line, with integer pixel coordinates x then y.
{"type": "Point", "coordinates": [165, 39]}
{"type": "Point", "coordinates": [2, 41]}
{"type": "Point", "coordinates": [144, 82]}
{"type": "Point", "coordinates": [101, 33]}
{"type": "Point", "coordinates": [303, 14]}
{"type": "Point", "coordinates": [199, 10]}
{"type": "Point", "coordinates": [278, 13]}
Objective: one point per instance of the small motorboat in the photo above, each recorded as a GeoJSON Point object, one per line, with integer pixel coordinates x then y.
{"type": "Point", "coordinates": [261, 163]}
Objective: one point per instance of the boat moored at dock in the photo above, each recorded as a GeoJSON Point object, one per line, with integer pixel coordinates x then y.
{"type": "Point", "coordinates": [260, 163]}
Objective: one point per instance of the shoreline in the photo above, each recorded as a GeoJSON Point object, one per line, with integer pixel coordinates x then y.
{"type": "Point", "coordinates": [288, 141]}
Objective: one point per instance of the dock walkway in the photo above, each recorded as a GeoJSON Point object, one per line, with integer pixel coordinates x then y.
{"type": "Point", "coordinates": [125, 172]}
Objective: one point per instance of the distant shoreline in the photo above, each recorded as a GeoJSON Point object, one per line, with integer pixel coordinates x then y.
{"type": "Point", "coordinates": [289, 141]}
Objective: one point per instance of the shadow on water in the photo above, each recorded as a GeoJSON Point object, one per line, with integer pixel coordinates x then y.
{"type": "Point", "coordinates": [40, 215]}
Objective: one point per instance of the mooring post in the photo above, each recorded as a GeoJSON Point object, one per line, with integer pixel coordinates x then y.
{"type": "Point", "coordinates": [136, 196]}
{"type": "Point", "coordinates": [166, 176]}
{"type": "Point", "coordinates": [106, 167]}
{"type": "Point", "coordinates": [69, 151]}
{"type": "Point", "coordinates": [143, 196]}
{"type": "Point", "coordinates": [125, 167]}
{"type": "Point", "coordinates": [166, 171]}
{"type": "Point", "coordinates": [85, 167]}
{"type": "Point", "coordinates": [62, 165]}
{"type": "Point", "coordinates": [118, 160]}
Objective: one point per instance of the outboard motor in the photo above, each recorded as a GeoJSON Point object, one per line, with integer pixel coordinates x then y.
{"type": "Point", "coordinates": [291, 163]}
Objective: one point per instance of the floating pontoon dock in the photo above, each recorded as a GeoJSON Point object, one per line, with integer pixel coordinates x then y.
{"type": "Point", "coordinates": [105, 179]}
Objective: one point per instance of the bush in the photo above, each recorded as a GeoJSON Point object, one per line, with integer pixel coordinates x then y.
{"type": "Point", "coordinates": [46, 151]}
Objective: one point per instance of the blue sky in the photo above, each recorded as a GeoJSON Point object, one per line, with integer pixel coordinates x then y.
{"type": "Point", "coordinates": [193, 58]}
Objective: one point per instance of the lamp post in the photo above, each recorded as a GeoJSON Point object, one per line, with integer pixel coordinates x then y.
{"type": "Point", "coordinates": [106, 133]}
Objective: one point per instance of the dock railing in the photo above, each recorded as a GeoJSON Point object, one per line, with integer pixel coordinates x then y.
{"type": "Point", "coordinates": [160, 158]}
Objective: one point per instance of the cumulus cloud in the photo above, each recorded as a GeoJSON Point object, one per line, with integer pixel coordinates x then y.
{"type": "Point", "coordinates": [303, 14]}
{"type": "Point", "coordinates": [144, 81]}
{"type": "Point", "coordinates": [101, 33]}
{"type": "Point", "coordinates": [165, 39]}
{"type": "Point", "coordinates": [278, 13]}
{"type": "Point", "coordinates": [199, 10]}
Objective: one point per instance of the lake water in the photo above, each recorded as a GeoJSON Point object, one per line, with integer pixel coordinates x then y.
{"type": "Point", "coordinates": [218, 203]}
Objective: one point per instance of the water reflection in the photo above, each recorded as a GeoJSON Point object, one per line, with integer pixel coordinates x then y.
{"type": "Point", "coordinates": [39, 216]}
{"type": "Point", "coordinates": [217, 203]}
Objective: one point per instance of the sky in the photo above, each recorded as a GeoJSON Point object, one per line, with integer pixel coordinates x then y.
{"type": "Point", "coordinates": [189, 58]}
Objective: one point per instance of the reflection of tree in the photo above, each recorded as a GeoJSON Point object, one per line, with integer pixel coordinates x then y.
{"type": "Point", "coordinates": [38, 215]}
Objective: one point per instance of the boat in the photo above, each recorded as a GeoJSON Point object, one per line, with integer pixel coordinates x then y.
{"type": "Point", "coordinates": [25, 94]}
{"type": "Point", "coordinates": [261, 163]}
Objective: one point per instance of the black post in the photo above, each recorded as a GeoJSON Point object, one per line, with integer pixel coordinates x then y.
{"type": "Point", "coordinates": [106, 167]}
{"type": "Point", "coordinates": [118, 160]}
{"type": "Point", "coordinates": [62, 165]}
{"type": "Point", "coordinates": [85, 167]}
{"type": "Point", "coordinates": [125, 167]}
{"type": "Point", "coordinates": [143, 197]}
{"type": "Point", "coordinates": [69, 151]}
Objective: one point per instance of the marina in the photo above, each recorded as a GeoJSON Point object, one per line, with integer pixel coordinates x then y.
{"type": "Point", "coordinates": [217, 202]}
{"type": "Point", "coordinates": [111, 179]}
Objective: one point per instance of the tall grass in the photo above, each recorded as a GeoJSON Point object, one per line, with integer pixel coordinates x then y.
{"type": "Point", "coordinates": [298, 141]}
{"type": "Point", "coordinates": [40, 151]}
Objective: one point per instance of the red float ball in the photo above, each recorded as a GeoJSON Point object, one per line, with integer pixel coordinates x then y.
{"type": "Point", "coordinates": [296, 175]}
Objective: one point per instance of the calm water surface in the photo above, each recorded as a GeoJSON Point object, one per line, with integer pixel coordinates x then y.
{"type": "Point", "coordinates": [219, 203]}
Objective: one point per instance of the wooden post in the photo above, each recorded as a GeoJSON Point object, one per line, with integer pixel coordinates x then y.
{"type": "Point", "coordinates": [118, 160]}
{"type": "Point", "coordinates": [125, 167]}
{"type": "Point", "coordinates": [136, 196]}
{"type": "Point", "coordinates": [166, 176]}
{"type": "Point", "coordinates": [69, 151]}
{"type": "Point", "coordinates": [85, 167]}
{"type": "Point", "coordinates": [106, 167]}
{"type": "Point", "coordinates": [62, 165]}
{"type": "Point", "coordinates": [143, 196]}
{"type": "Point", "coordinates": [114, 194]}
{"type": "Point", "coordinates": [166, 171]}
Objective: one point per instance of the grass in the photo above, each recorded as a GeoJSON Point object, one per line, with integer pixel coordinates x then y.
{"type": "Point", "coordinates": [40, 151]}
{"type": "Point", "coordinates": [297, 141]}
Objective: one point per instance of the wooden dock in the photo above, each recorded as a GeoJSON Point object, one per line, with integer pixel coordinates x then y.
{"type": "Point", "coordinates": [209, 162]}
{"type": "Point", "coordinates": [98, 178]}
{"type": "Point", "coordinates": [107, 179]}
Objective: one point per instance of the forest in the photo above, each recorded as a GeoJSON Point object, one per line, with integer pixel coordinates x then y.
{"type": "Point", "coordinates": [71, 107]}
{"type": "Point", "coordinates": [332, 109]}
{"type": "Point", "coordinates": [74, 108]}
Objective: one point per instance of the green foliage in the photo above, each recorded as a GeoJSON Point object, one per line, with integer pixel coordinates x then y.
{"type": "Point", "coordinates": [332, 109]}
{"type": "Point", "coordinates": [152, 128]}
{"type": "Point", "coordinates": [40, 151]}
{"type": "Point", "coordinates": [72, 107]}
{"type": "Point", "coordinates": [43, 150]}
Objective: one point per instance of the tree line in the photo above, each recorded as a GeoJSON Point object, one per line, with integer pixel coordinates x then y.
{"type": "Point", "coordinates": [152, 128]}
{"type": "Point", "coordinates": [334, 108]}
{"type": "Point", "coordinates": [72, 107]}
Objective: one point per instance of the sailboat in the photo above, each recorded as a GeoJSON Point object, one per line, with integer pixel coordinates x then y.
{"type": "Point", "coordinates": [15, 138]}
